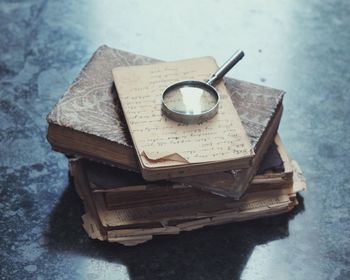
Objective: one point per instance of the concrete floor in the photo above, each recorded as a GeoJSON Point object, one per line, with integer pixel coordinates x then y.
{"type": "Point", "coordinates": [299, 46]}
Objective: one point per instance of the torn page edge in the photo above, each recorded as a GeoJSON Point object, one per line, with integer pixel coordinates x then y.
{"type": "Point", "coordinates": [155, 156]}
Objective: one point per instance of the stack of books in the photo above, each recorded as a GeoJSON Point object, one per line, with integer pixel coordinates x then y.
{"type": "Point", "coordinates": [88, 125]}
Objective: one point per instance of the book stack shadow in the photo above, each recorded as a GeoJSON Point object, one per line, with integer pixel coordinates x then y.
{"type": "Point", "coordinates": [87, 124]}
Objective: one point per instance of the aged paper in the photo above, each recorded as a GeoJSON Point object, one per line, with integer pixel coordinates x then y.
{"type": "Point", "coordinates": [161, 142]}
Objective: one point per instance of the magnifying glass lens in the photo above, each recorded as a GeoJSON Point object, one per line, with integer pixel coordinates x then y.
{"type": "Point", "coordinates": [189, 100]}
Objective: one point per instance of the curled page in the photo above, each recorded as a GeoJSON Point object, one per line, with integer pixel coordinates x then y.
{"type": "Point", "coordinates": [161, 156]}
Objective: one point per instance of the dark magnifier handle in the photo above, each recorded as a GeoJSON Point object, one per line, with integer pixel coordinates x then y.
{"type": "Point", "coordinates": [227, 66]}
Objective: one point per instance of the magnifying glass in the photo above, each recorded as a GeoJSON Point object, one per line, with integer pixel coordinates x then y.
{"type": "Point", "coordinates": [194, 102]}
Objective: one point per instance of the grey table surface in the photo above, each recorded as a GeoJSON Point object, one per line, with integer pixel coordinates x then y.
{"type": "Point", "coordinates": [299, 46]}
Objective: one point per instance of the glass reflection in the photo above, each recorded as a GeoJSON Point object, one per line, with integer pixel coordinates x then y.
{"type": "Point", "coordinates": [189, 100]}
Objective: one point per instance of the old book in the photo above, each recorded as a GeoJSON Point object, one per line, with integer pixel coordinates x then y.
{"type": "Point", "coordinates": [123, 188]}
{"type": "Point", "coordinates": [131, 225]}
{"type": "Point", "coordinates": [87, 120]}
{"type": "Point", "coordinates": [167, 149]}
{"type": "Point", "coordinates": [103, 178]}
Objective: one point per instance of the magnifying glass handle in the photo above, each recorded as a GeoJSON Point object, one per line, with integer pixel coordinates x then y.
{"type": "Point", "coordinates": [220, 73]}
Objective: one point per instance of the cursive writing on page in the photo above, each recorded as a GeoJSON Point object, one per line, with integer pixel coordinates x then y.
{"type": "Point", "coordinates": [161, 142]}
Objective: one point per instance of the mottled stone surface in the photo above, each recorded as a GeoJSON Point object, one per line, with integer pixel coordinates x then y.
{"type": "Point", "coordinates": [301, 47]}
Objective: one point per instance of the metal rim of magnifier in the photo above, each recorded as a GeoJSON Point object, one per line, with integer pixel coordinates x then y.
{"type": "Point", "coordinates": [194, 118]}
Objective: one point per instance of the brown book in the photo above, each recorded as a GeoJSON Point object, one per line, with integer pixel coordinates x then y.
{"type": "Point", "coordinates": [87, 120]}
{"type": "Point", "coordinates": [127, 214]}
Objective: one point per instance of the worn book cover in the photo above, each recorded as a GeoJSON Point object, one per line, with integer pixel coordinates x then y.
{"type": "Point", "coordinates": [88, 121]}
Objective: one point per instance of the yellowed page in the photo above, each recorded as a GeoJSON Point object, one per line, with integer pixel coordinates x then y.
{"type": "Point", "coordinates": [161, 142]}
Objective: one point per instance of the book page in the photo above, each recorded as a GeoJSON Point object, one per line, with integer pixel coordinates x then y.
{"type": "Point", "coordinates": [161, 142]}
